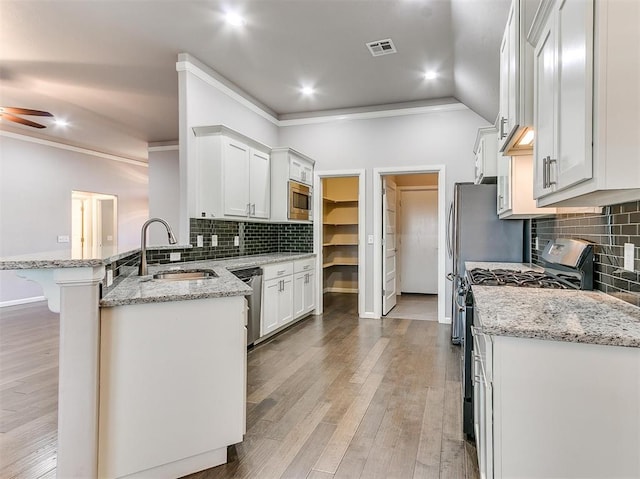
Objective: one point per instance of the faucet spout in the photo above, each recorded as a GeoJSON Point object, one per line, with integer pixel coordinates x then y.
{"type": "Point", "coordinates": [142, 269]}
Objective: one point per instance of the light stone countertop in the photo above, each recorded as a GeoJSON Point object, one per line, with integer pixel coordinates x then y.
{"type": "Point", "coordinates": [135, 289]}
{"type": "Point", "coordinates": [561, 315]}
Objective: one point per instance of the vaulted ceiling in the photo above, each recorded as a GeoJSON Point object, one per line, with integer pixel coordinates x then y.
{"type": "Point", "coordinates": [109, 65]}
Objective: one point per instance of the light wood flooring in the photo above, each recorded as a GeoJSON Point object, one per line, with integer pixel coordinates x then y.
{"type": "Point", "coordinates": [423, 307]}
{"type": "Point", "coordinates": [334, 396]}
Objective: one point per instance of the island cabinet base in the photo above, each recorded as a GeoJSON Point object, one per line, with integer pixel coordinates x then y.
{"type": "Point", "coordinates": [564, 409]}
{"type": "Point", "coordinates": [172, 386]}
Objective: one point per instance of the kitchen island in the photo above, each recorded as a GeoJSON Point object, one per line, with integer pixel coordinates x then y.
{"type": "Point", "coordinates": [557, 388]}
{"type": "Point", "coordinates": [72, 288]}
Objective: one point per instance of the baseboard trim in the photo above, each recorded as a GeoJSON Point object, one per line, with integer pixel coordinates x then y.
{"type": "Point", "coordinates": [369, 316]}
{"type": "Point", "coordinates": [17, 302]}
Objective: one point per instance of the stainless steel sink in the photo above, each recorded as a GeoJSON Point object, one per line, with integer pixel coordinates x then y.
{"type": "Point", "coordinates": [185, 274]}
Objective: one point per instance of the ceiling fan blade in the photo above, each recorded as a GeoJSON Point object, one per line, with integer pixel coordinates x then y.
{"type": "Point", "coordinates": [24, 111]}
{"type": "Point", "coordinates": [22, 121]}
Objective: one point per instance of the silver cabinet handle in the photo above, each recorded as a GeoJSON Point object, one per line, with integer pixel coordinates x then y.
{"type": "Point", "coordinates": [549, 161]}
{"type": "Point", "coordinates": [500, 201]}
{"type": "Point", "coordinates": [282, 271]}
{"type": "Point", "coordinates": [544, 171]}
{"type": "Point", "coordinates": [253, 209]}
{"type": "Point", "coordinates": [503, 122]}
{"type": "Point", "coordinates": [248, 208]}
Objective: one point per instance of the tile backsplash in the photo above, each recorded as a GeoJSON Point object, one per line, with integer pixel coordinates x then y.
{"type": "Point", "coordinates": [610, 230]}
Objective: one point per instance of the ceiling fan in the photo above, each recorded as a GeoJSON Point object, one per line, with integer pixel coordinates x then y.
{"type": "Point", "coordinates": [15, 114]}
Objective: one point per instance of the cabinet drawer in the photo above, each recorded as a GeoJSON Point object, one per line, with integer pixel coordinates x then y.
{"type": "Point", "coordinates": [277, 270]}
{"type": "Point", "coordinates": [302, 265]}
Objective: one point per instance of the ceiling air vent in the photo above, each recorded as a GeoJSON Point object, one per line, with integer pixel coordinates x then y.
{"type": "Point", "coordinates": [381, 47]}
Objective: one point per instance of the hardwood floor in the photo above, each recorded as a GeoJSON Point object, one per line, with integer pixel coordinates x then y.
{"type": "Point", "coordinates": [332, 397]}
{"type": "Point", "coordinates": [28, 391]}
{"type": "Point", "coordinates": [339, 397]}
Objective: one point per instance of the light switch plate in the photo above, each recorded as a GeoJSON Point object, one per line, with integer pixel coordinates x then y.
{"type": "Point", "coordinates": [214, 240]}
{"type": "Point", "coordinates": [63, 238]}
{"type": "Point", "coordinates": [629, 256]}
{"type": "Point", "coordinates": [200, 241]}
{"type": "Point", "coordinates": [174, 256]}
{"type": "Point", "coordinates": [370, 239]}
{"type": "Point", "coordinates": [236, 241]}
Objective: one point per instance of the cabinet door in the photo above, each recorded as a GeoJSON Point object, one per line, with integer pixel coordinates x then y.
{"type": "Point", "coordinates": [299, 293]}
{"type": "Point", "coordinates": [479, 160]}
{"type": "Point", "coordinates": [544, 108]}
{"type": "Point", "coordinates": [285, 301]}
{"type": "Point", "coordinates": [504, 88]}
{"type": "Point", "coordinates": [270, 305]}
{"type": "Point", "coordinates": [513, 32]}
{"type": "Point", "coordinates": [236, 178]}
{"type": "Point", "coordinates": [504, 183]}
{"type": "Point", "coordinates": [574, 37]}
{"type": "Point", "coordinates": [259, 184]}
{"type": "Point", "coordinates": [309, 293]}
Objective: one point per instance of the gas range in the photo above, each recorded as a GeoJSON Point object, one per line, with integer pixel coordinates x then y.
{"type": "Point", "coordinates": [568, 264]}
{"type": "Point", "coordinates": [525, 279]}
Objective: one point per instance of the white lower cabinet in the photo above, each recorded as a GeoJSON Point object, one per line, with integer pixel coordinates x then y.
{"type": "Point", "coordinates": [288, 293]}
{"type": "Point", "coordinates": [548, 409]}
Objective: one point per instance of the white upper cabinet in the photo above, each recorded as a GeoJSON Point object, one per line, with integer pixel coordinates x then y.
{"type": "Point", "coordinates": [287, 165]}
{"type": "Point", "coordinates": [515, 117]}
{"type": "Point", "coordinates": [586, 113]}
{"type": "Point", "coordinates": [232, 175]}
{"type": "Point", "coordinates": [486, 154]}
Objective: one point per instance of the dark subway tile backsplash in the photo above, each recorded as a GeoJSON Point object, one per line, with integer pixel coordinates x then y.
{"type": "Point", "coordinates": [609, 231]}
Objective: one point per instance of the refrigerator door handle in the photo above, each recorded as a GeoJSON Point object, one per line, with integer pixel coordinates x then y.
{"type": "Point", "coordinates": [450, 231]}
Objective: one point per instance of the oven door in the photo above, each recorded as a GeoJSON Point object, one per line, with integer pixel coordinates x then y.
{"type": "Point", "coordinates": [299, 201]}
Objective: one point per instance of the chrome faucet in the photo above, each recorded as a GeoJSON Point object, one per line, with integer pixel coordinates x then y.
{"type": "Point", "coordinates": [142, 270]}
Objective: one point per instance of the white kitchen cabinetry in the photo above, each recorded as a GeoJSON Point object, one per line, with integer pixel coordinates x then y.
{"type": "Point", "coordinates": [555, 408]}
{"type": "Point", "coordinates": [232, 177]}
{"type": "Point", "coordinates": [515, 190]}
{"type": "Point", "coordinates": [485, 151]}
{"type": "Point", "coordinates": [277, 296]}
{"type": "Point", "coordinates": [287, 165]}
{"type": "Point", "coordinates": [304, 296]}
{"type": "Point", "coordinates": [586, 103]}
{"type": "Point", "coordinates": [171, 370]}
{"type": "Point", "coordinates": [288, 293]}
{"type": "Point", "coordinates": [515, 116]}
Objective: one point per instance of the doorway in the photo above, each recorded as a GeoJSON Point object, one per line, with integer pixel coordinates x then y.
{"type": "Point", "coordinates": [94, 225]}
{"type": "Point", "coordinates": [339, 233]}
{"type": "Point", "coordinates": [409, 223]}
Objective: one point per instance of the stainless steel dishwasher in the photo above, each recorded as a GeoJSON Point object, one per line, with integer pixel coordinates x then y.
{"type": "Point", "coordinates": [253, 278]}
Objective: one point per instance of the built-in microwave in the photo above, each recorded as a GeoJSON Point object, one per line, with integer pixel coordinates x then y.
{"type": "Point", "coordinates": [299, 201]}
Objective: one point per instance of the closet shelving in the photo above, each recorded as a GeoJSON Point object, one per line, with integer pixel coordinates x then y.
{"type": "Point", "coordinates": [340, 234]}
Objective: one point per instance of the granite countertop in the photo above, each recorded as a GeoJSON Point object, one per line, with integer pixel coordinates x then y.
{"type": "Point", "coordinates": [136, 289]}
{"type": "Point", "coordinates": [495, 265]}
{"type": "Point", "coordinates": [561, 315]}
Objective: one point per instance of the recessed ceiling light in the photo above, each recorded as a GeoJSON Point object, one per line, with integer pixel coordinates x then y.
{"type": "Point", "coordinates": [61, 122]}
{"type": "Point", "coordinates": [430, 75]}
{"type": "Point", "coordinates": [307, 90]}
{"type": "Point", "coordinates": [235, 19]}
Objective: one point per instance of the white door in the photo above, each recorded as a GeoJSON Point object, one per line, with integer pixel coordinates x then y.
{"type": "Point", "coordinates": [236, 179]}
{"type": "Point", "coordinates": [388, 244]}
{"type": "Point", "coordinates": [299, 287]}
{"type": "Point", "coordinates": [259, 184]}
{"type": "Point", "coordinates": [309, 293]}
{"type": "Point", "coordinates": [418, 238]}
{"type": "Point", "coordinates": [285, 301]}
{"type": "Point", "coordinates": [270, 304]}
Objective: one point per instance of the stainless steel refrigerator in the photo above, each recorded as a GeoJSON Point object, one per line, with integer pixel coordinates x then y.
{"type": "Point", "coordinates": [475, 233]}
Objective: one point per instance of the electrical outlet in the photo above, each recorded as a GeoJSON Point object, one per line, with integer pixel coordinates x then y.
{"type": "Point", "coordinates": [370, 239]}
{"type": "Point", "coordinates": [109, 277]}
{"type": "Point", "coordinates": [63, 238]}
{"type": "Point", "coordinates": [174, 256]}
{"type": "Point", "coordinates": [536, 243]}
{"type": "Point", "coordinates": [200, 241]}
{"type": "Point", "coordinates": [629, 256]}
{"type": "Point", "coordinates": [236, 241]}
{"type": "Point", "coordinates": [214, 240]}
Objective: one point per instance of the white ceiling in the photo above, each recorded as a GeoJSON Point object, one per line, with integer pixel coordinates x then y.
{"type": "Point", "coordinates": [109, 65]}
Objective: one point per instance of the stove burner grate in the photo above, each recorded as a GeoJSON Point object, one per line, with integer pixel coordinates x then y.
{"type": "Point", "coordinates": [524, 279]}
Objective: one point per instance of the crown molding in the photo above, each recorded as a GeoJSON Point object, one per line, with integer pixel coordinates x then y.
{"type": "Point", "coordinates": [76, 149]}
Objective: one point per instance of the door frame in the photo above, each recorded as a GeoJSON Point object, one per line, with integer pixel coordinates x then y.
{"type": "Point", "coordinates": [378, 173]}
{"type": "Point", "coordinates": [317, 231]}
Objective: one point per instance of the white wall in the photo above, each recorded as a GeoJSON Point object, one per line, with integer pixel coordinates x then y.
{"type": "Point", "coordinates": [36, 181]}
{"type": "Point", "coordinates": [164, 193]}
{"type": "Point", "coordinates": [203, 102]}
{"type": "Point", "coordinates": [445, 137]}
